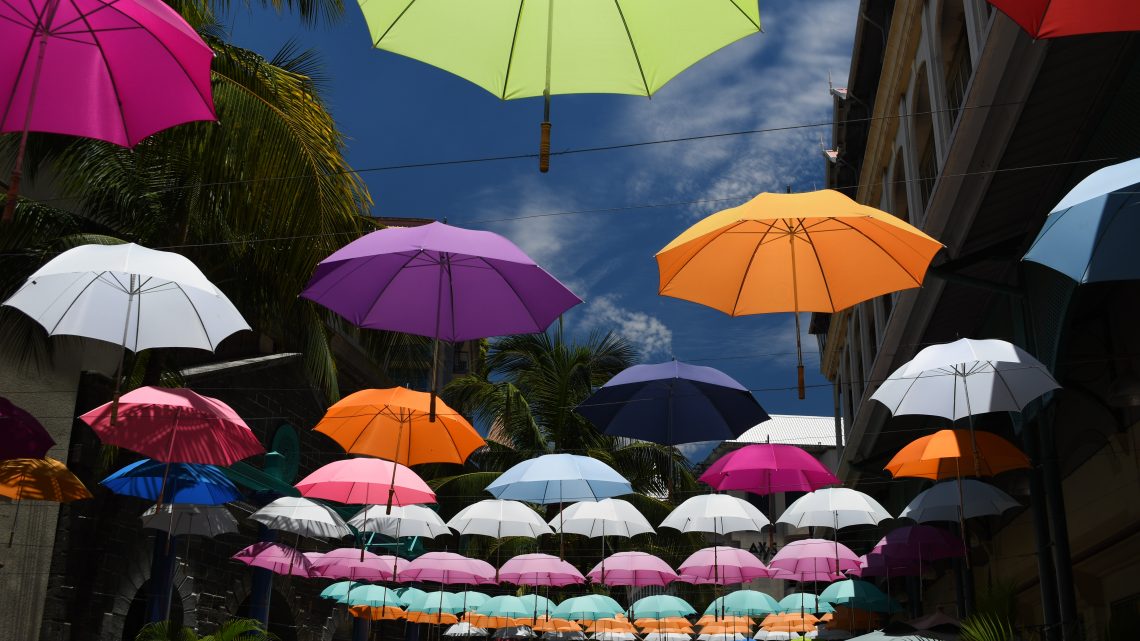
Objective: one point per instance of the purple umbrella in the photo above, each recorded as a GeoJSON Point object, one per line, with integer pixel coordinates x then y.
{"type": "Point", "coordinates": [766, 469]}
{"type": "Point", "coordinates": [448, 568]}
{"type": "Point", "coordinates": [539, 569]}
{"type": "Point", "coordinates": [277, 558]}
{"type": "Point", "coordinates": [637, 569]}
{"type": "Point", "coordinates": [443, 282]}
{"type": "Point", "coordinates": [919, 543]}
{"type": "Point", "coordinates": [880, 565]}
{"type": "Point", "coordinates": [21, 435]}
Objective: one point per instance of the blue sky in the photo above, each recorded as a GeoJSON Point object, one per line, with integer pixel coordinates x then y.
{"type": "Point", "coordinates": [396, 111]}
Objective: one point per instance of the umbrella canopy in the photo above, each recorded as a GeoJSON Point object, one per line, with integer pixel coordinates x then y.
{"type": "Point", "coordinates": [559, 478]}
{"type": "Point", "coordinates": [34, 479]}
{"type": "Point", "coordinates": [1057, 18]}
{"type": "Point", "coordinates": [356, 564]}
{"type": "Point", "coordinates": [277, 558]}
{"type": "Point", "coordinates": [173, 483]}
{"type": "Point", "coordinates": [370, 596]}
{"type": "Point", "coordinates": [406, 520]}
{"type": "Point", "coordinates": [716, 513]}
{"type": "Point", "coordinates": [448, 568]}
{"type": "Point", "coordinates": [339, 590]}
{"type": "Point", "coordinates": [919, 542]}
{"type": "Point", "coordinates": [608, 517]}
{"type": "Point", "coordinates": [432, 618]}
{"type": "Point", "coordinates": [964, 378]}
{"type": "Point", "coordinates": [499, 518]}
{"type": "Point", "coordinates": [366, 480]}
{"type": "Point", "coordinates": [539, 569]}
{"type": "Point", "coordinates": [128, 295]}
{"type": "Point", "coordinates": [747, 603]}
{"type": "Point", "coordinates": [437, 602]}
{"type": "Point", "coordinates": [565, 636]}
{"type": "Point", "coordinates": [951, 453]}
{"type": "Point", "coordinates": [383, 613]}
{"type": "Point", "coordinates": [766, 468]}
{"type": "Point", "coordinates": [721, 565]}
{"type": "Point", "coordinates": [728, 619]}
{"type": "Point", "coordinates": [834, 507]}
{"type": "Point", "coordinates": [637, 569]}
{"type": "Point", "coordinates": [506, 606]}
{"type": "Point", "coordinates": [490, 620]}
{"type": "Point", "coordinates": [24, 436]}
{"type": "Point", "coordinates": [395, 424]}
{"type": "Point", "coordinates": [878, 564]}
{"type": "Point", "coordinates": [409, 595]}
{"type": "Point", "coordinates": [660, 606]}
{"type": "Point", "coordinates": [514, 632]}
{"type": "Point", "coordinates": [174, 425]}
{"type": "Point", "coordinates": [953, 500]}
{"type": "Point", "coordinates": [538, 603]}
{"type": "Point", "coordinates": [613, 636]}
{"type": "Point", "coordinates": [858, 594]}
{"type": "Point", "coordinates": [439, 281]}
{"type": "Point", "coordinates": [610, 625]}
{"type": "Point", "coordinates": [587, 608]}
{"type": "Point", "coordinates": [673, 403]}
{"type": "Point", "coordinates": [556, 625]}
{"type": "Point", "coordinates": [197, 520]}
{"type": "Point", "coordinates": [807, 557]}
{"type": "Point", "coordinates": [301, 516]}
{"type": "Point", "coordinates": [464, 629]}
{"type": "Point", "coordinates": [671, 626]}
{"type": "Point", "coordinates": [803, 603]}
{"type": "Point", "coordinates": [668, 636]}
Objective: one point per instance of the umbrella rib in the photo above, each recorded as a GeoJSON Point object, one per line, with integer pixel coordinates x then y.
{"type": "Point", "coordinates": [384, 289]}
{"type": "Point", "coordinates": [29, 23]}
{"type": "Point", "coordinates": [515, 292]}
{"type": "Point", "coordinates": [632, 47]}
{"type": "Point", "coordinates": [747, 268]}
{"type": "Point", "coordinates": [376, 43]}
{"type": "Point", "coordinates": [712, 236]}
{"type": "Point", "coordinates": [511, 55]}
{"type": "Point", "coordinates": [917, 282]}
{"type": "Point", "coordinates": [815, 252]}
{"type": "Point", "coordinates": [201, 323]}
{"type": "Point", "coordinates": [23, 61]}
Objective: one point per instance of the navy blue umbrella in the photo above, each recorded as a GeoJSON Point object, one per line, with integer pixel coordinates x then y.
{"type": "Point", "coordinates": [184, 483]}
{"type": "Point", "coordinates": [673, 403]}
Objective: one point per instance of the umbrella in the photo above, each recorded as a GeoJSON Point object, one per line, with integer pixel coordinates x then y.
{"type": "Point", "coordinates": [371, 596]}
{"type": "Point", "coordinates": [443, 282]}
{"type": "Point", "coordinates": [773, 635]}
{"type": "Point", "coordinates": [101, 292]}
{"type": "Point", "coordinates": [610, 625]}
{"type": "Point", "coordinates": [448, 568]}
{"type": "Point", "coordinates": [433, 618]}
{"type": "Point", "coordinates": [1057, 18]}
{"type": "Point", "coordinates": [199, 520]}
{"type": "Point", "coordinates": [504, 607]}
{"type": "Point", "coordinates": [967, 377]}
{"type": "Point", "coordinates": [716, 513]}
{"type": "Point", "coordinates": [721, 565]}
{"type": "Point", "coordinates": [834, 507]}
{"type": "Point", "coordinates": [339, 591]}
{"type": "Point", "coordinates": [556, 625]}
{"type": "Point", "coordinates": [944, 454]}
{"type": "Point", "coordinates": [439, 602]}
{"type": "Point", "coordinates": [514, 632]}
{"type": "Point", "coordinates": [660, 606]}
{"type": "Point", "coordinates": [302, 517]}
{"type": "Point", "coordinates": [766, 468]}
{"type": "Point", "coordinates": [117, 72]}
{"type": "Point", "coordinates": [539, 569]}
{"type": "Point", "coordinates": [362, 481]}
{"type": "Point", "coordinates": [275, 557]}
{"type": "Point", "coordinates": [24, 436]}
{"type": "Point", "coordinates": [558, 478]}
{"type": "Point", "coordinates": [878, 564]}
{"type": "Point", "coordinates": [637, 569]}
{"type": "Point", "coordinates": [587, 608]}
{"type": "Point", "coordinates": [732, 619]}
{"type": "Point", "coordinates": [673, 403]}
{"type": "Point", "coordinates": [613, 636]}
{"type": "Point", "coordinates": [607, 517]}
{"type": "Point", "coordinates": [919, 542]}
{"type": "Point", "coordinates": [813, 559]}
{"type": "Point", "coordinates": [538, 603]}
{"type": "Point", "coordinates": [565, 636]}
{"type": "Point", "coordinates": [837, 253]}
{"type": "Point", "coordinates": [174, 483]}
{"type": "Point", "coordinates": [526, 49]}
{"type": "Point", "coordinates": [803, 603]}
{"type": "Point", "coordinates": [952, 501]}
{"type": "Point", "coordinates": [499, 518]}
{"type": "Point", "coordinates": [31, 479]}
{"type": "Point", "coordinates": [750, 603]}
{"type": "Point", "coordinates": [464, 629]}
{"type": "Point", "coordinates": [491, 620]}
{"type": "Point", "coordinates": [351, 563]}
{"type": "Point", "coordinates": [858, 594]}
{"type": "Point", "coordinates": [726, 634]}
{"type": "Point", "coordinates": [409, 595]}
{"type": "Point", "coordinates": [668, 636]}
{"type": "Point", "coordinates": [407, 520]}
{"type": "Point", "coordinates": [383, 613]}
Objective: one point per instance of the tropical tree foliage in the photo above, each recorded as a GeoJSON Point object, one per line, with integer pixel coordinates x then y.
{"type": "Point", "coordinates": [232, 630]}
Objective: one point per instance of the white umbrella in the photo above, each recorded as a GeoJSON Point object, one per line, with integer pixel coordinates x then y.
{"type": "Point", "coordinates": [199, 520]}
{"type": "Point", "coordinates": [667, 636]}
{"type": "Point", "coordinates": [303, 517]}
{"type": "Point", "coordinates": [830, 634]}
{"type": "Point", "coordinates": [499, 518]}
{"type": "Point", "coordinates": [834, 507]}
{"type": "Point", "coordinates": [967, 377]}
{"type": "Point", "coordinates": [778, 635]}
{"type": "Point", "coordinates": [614, 636]}
{"type": "Point", "coordinates": [950, 501]}
{"type": "Point", "coordinates": [716, 513]}
{"type": "Point", "coordinates": [722, 636]}
{"type": "Point", "coordinates": [608, 517]}
{"type": "Point", "coordinates": [464, 629]}
{"type": "Point", "coordinates": [407, 520]}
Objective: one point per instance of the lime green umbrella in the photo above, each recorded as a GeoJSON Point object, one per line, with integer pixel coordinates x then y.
{"type": "Point", "coordinates": [526, 48]}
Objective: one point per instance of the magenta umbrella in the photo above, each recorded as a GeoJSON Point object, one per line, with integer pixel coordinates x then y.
{"type": "Point", "coordinates": [114, 71]}
{"type": "Point", "coordinates": [814, 558]}
{"type": "Point", "coordinates": [767, 469]}
{"type": "Point", "coordinates": [539, 569]}
{"type": "Point", "coordinates": [637, 569]}
{"type": "Point", "coordinates": [448, 568]}
{"type": "Point", "coordinates": [446, 283]}
{"type": "Point", "coordinates": [366, 481]}
{"type": "Point", "coordinates": [721, 565]}
{"type": "Point", "coordinates": [277, 558]}
{"type": "Point", "coordinates": [345, 563]}
{"type": "Point", "coordinates": [24, 436]}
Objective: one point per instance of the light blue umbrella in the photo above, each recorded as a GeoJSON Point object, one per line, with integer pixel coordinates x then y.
{"type": "Point", "coordinates": [745, 603]}
{"type": "Point", "coordinates": [538, 603]}
{"type": "Point", "coordinates": [660, 606]}
{"type": "Point", "coordinates": [505, 606]}
{"type": "Point", "coordinates": [858, 594]}
{"type": "Point", "coordinates": [474, 599]}
{"type": "Point", "coordinates": [340, 589]}
{"type": "Point", "coordinates": [1090, 236]}
{"type": "Point", "coordinates": [797, 602]}
{"type": "Point", "coordinates": [586, 608]}
{"type": "Point", "coordinates": [559, 478]}
{"type": "Point", "coordinates": [438, 602]}
{"type": "Point", "coordinates": [410, 596]}
{"type": "Point", "coordinates": [374, 596]}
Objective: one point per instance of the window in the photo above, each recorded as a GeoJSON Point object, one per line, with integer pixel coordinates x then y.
{"type": "Point", "coordinates": [923, 140]}
{"type": "Point", "coordinates": [899, 205]}
{"type": "Point", "coordinates": [955, 45]}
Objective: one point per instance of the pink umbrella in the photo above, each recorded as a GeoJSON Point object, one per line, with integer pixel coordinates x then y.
{"type": "Point", "coordinates": [277, 558]}
{"type": "Point", "coordinates": [636, 569]}
{"type": "Point", "coordinates": [175, 425]}
{"type": "Point", "coordinates": [115, 71]}
{"type": "Point", "coordinates": [366, 481]}
{"type": "Point", "coordinates": [539, 569]}
{"type": "Point", "coordinates": [813, 559]}
{"type": "Point", "coordinates": [346, 563]}
{"type": "Point", "coordinates": [768, 469]}
{"type": "Point", "coordinates": [448, 568]}
{"type": "Point", "coordinates": [722, 565]}
{"type": "Point", "coordinates": [805, 575]}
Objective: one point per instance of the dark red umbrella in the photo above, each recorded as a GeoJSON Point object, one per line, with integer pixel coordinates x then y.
{"type": "Point", "coordinates": [21, 435]}
{"type": "Point", "coordinates": [1057, 18]}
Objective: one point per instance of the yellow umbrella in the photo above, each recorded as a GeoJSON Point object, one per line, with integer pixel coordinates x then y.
{"type": "Point", "coordinates": [812, 252]}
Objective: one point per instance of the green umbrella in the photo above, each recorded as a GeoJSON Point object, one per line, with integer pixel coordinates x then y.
{"type": "Point", "coordinates": [373, 596]}
{"type": "Point", "coordinates": [797, 602]}
{"type": "Point", "coordinates": [858, 594]}
{"type": "Point", "coordinates": [525, 48]}
{"type": "Point", "coordinates": [340, 589]}
{"type": "Point", "coordinates": [745, 603]}
{"type": "Point", "coordinates": [439, 602]}
{"type": "Point", "coordinates": [661, 606]}
{"type": "Point", "coordinates": [587, 608]}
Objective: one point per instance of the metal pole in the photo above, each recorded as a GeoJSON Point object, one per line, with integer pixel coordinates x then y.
{"type": "Point", "coordinates": [1062, 559]}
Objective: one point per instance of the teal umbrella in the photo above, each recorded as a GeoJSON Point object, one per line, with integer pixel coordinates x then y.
{"type": "Point", "coordinates": [746, 603]}
{"type": "Point", "coordinates": [538, 603]}
{"type": "Point", "coordinates": [858, 594]}
{"type": "Point", "coordinates": [797, 602]}
{"type": "Point", "coordinates": [473, 599]}
{"type": "Point", "coordinates": [438, 603]}
{"type": "Point", "coordinates": [587, 608]}
{"type": "Point", "coordinates": [374, 596]}
{"type": "Point", "coordinates": [340, 589]}
{"type": "Point", "coordinates": [410, 596]}
{"type": "Point", "coordinates": [505, 606]}
{"type": "Point", "coordinates": [661, 606]}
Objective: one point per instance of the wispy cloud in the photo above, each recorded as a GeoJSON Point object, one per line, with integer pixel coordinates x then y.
{"type": "Point", "coordinates": [651, 336]}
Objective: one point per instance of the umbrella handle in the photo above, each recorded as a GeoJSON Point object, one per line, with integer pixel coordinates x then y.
{"type": "Point", "coordinates": [800, 383]}
{"type": "Point", "coordinates": [544, 148]}
{"type": "Point", "coordinates": [14, 185]}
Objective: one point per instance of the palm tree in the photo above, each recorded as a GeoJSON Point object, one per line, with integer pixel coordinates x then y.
{"type": "Point", "coordinates": [232, 630]}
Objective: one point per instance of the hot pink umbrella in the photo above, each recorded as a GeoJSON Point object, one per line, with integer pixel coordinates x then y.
{"type": "Point", "coordinates": [448, 568]}
{"type": "Point", "coordinates": [636, 569]}
{"type": "Point", "coordinates": [539, 569]}
{"type": "Point", "coordinates": [366, 481]}
{"type": "Point", "coordinates": [346, 563]}
{"type": "Point", "coordinates": [277, 558]}
{"type": "Point", "coordinates": [175, 425]}
{"type": "Point", "coordinates": [767, 469]}
{"type": "Point", "coordinates": [722, 565]}
{"type": "Point", "coordinates": [812, 560]}
{"type": "Point", "coordinates": [115, 71]}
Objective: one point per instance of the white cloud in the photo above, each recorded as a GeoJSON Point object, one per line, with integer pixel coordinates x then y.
{"type": "Point", "coordinates": [651, 337]}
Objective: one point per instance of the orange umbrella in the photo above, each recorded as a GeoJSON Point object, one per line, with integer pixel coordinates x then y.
{"type": "Point", "coordinates": [40, 479]}
{"type": "Point", "coordinates": [555, 625]}
{"type": "Point", "coordinates": [728, 627]}
{"type": "Point", "coordinates": [731, 618]}
{"type": "Point", "coordinates": [488, 621]}
{"type": "Point", "coordinates": [792, 622]}
{"type": "Point", "coordinates": [812, 252]}
{"type": "Point", "coordinates": [393, 424]}
{"type": "Point", "coordinates": [611, 625]}
{"type": "Point", "coordinates": [670, 624]}
{"type": "Point", "coordinates": [388, 612]}
{"type": "Point", "coordinates": [438, 618]}
{"type": "Point", "coordinates": [950, 453]}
